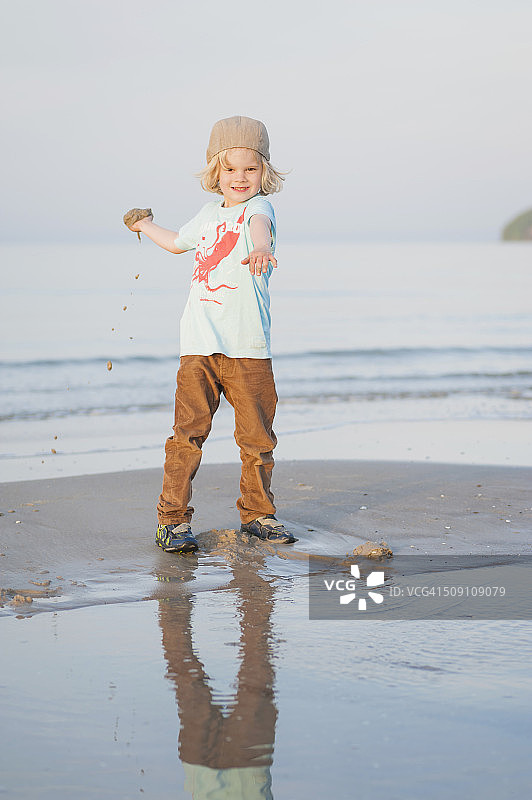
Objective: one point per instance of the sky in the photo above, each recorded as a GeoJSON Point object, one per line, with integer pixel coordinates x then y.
{"type": "Point", "coordinates": [396, 120]}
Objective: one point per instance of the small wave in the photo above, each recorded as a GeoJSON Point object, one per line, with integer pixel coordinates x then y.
{"type": "Point", "coordinates": [85, 411]}
{"type": "Point", "coordinates": [413, 377]}
{"type": "Point", "coordinates": [518, 396]}
{"type": "Point", "coordinates": [86, 361]}
{"type": "Point", "coordinates": [508, 393]}
{"type": "Point", "coordinates": [384, 352]}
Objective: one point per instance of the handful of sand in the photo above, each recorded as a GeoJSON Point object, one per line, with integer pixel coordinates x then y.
{"type": "Point", "coordinates": [134, 214]}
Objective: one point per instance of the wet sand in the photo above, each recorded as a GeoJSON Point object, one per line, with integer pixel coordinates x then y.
{"type": "Point", "coordinates": [98, 530]}
{"type": "Point", "coordinates": [218, 682]}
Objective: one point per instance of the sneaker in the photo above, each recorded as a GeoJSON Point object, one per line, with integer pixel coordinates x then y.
{"type": "Point", "coordinates": [268, 528]}
{"type": "Point", "coordinates": [176, 538]}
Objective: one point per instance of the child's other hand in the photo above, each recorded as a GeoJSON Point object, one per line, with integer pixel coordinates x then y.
{"type": "Point", "coordinates": [259, 260]}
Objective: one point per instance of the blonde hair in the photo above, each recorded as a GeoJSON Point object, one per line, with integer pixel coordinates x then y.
{"type": "Point", "coordinates": [271, 178]}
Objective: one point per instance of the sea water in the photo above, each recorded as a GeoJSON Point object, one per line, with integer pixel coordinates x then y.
{"type": "Point", "coordinates": [362, 334]}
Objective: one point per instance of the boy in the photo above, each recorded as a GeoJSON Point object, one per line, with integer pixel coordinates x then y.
{"type": "Point", "coordinates": [225, 332]}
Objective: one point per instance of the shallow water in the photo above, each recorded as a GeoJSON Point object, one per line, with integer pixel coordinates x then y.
{"type": "Point", "coordinates": [159, 696]}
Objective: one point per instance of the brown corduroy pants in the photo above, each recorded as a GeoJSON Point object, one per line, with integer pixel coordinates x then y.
{"type": "Point", "coordinates": [249, 386]}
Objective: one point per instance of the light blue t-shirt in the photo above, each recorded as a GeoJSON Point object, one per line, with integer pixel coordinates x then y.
{"type": "Point", "coordinates": [228, 309]}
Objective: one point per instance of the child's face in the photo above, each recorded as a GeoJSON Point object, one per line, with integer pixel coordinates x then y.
{"type": "Point", "coordinates": [241, 180]}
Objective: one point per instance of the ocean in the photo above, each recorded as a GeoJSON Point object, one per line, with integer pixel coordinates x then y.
{"type": "Point", "coordinates": [362, 334]}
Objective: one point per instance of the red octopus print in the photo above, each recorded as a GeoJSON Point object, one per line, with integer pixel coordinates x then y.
{"type": "Point", "coordinates": [208, 258]}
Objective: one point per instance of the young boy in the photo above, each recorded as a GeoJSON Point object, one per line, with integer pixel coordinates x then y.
{"type": "Point", "coordinates": [225, 332]}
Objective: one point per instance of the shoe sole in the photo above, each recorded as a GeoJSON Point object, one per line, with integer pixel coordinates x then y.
{"type": "Point", "coordinates": [186, 547]}
{"type": "Point", "coordinates": [276, 540]}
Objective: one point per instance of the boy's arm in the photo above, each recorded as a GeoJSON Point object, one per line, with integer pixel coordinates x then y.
{"type": "Point", "coordinates": [161, 236]}
{"type": "Point", "coordinates": [261, 236]}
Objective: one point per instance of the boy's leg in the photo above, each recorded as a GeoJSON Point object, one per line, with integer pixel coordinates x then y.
{"type": "Point", "coordinates": [196, 399]}
{"type": "Point", "coordinates": [249, 386]}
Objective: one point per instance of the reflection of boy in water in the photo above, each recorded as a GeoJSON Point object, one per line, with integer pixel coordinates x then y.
{"type": "Point", "coordinates": [225, 756]}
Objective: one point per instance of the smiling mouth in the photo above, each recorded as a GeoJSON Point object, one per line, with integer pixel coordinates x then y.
{"type": "Point", "coordinates": [240, 188]}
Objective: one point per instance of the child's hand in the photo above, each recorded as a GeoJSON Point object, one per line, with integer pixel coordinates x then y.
{"type": "Point", "coordinates": [134, 218]}
{"type": "Point", "coordinates": [137, 226]}
{"type": "Point", "coordinates": [259, 260]}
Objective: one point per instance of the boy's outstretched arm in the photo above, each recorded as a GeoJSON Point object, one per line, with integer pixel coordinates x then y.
{"type": "Point", "coordinates": [161, 236]}
{"type": "Point", "coordinates": [261, 236]}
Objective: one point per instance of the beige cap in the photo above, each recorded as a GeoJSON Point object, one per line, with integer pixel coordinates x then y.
{"type": "Point", "coordinates": [239, 132]}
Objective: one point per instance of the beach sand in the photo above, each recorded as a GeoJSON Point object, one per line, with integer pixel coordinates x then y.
{"type": "Point", "coordinates": [100, 528]}
{"type": "Point", "coordinates": [269, 703]}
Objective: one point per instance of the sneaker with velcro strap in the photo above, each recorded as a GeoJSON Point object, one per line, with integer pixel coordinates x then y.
{"type": "Point", "coordinates": [176, 538]}
{"type": "Point", "coordinates": [269, 529]}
